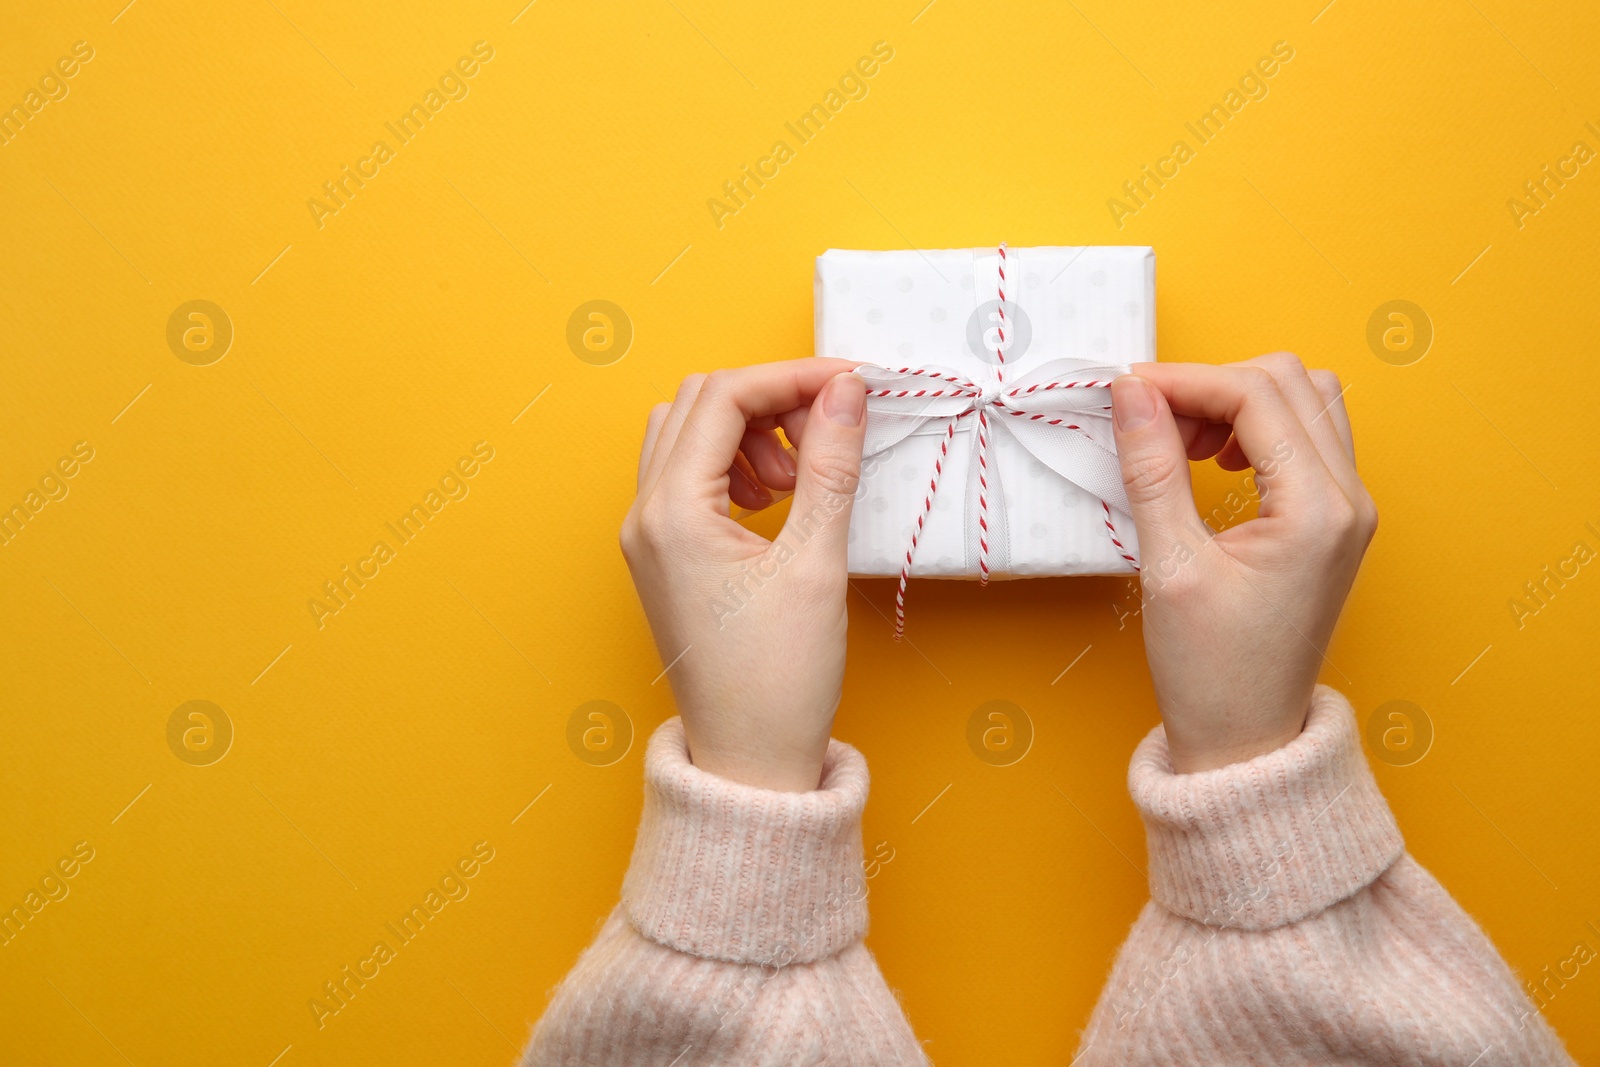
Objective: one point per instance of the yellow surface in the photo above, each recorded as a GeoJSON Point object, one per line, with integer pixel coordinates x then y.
{"type": "Point", "coordinates": [373, 748]}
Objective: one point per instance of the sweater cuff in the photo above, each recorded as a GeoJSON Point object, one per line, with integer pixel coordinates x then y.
{"type": "Point", "coordinates": [733, 872]}
{"type": "Point", "coordinates": [1270, 841]}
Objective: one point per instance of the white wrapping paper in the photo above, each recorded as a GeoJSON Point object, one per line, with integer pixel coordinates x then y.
{"type": "Point", "coordinates": [1093, 306]}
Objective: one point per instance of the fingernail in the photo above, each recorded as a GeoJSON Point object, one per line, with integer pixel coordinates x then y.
{"type": "Point", "coordinates": [1133, 402]}
{"type": "Point", "coordinates": [786, 461]}
{"type": "Point", "coordinates": [844, 400]}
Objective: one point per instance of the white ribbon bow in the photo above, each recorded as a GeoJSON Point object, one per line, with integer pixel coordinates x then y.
{"type": "Point", "coordinates": [1044, 411]}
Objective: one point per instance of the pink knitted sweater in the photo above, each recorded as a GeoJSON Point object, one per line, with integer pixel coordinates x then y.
{"type": "Point", "coordinates": [1287, 925]}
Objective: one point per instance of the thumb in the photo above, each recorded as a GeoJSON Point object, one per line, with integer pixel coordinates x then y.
{"type": "Point", "coordinates": [1155, 467]}
{"type": "Point", "coordinates": [830, 469]}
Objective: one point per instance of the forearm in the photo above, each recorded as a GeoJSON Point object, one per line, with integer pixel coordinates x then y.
{"type": "Point", "coordinates": [1288, 926]}
{"type": "Point", "coordinates": [739, 935]}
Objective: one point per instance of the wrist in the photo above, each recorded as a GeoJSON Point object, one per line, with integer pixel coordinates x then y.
{"type": "Point", "coordinates": [782, 777]}
{"type": "Point", "coordinates": [1220, 743]}
{"type": "Point", "coordinates": [783, 767]}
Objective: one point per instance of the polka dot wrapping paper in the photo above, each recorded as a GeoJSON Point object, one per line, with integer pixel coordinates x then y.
{"type": "Point", "coordinates": [1050, 499]}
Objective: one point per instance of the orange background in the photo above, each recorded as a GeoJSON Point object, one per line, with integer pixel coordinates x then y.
{"type": "Point", "coordinates": [371, 353]}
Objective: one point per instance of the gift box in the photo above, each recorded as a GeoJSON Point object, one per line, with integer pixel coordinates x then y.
{"type": "Point", "coordinates": [989, 449]}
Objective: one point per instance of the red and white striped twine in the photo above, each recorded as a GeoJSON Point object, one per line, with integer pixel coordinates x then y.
{"type": "Point", "coordinates": [1121, 548]}
{"type": "Point", "coordinates": [980, 407]}
{"type": "Point", "coordinates": [916, 532]}
{"type": "Point", "coordinates": [983, 432]}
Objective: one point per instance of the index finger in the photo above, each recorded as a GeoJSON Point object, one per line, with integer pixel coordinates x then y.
{"type": "Point", "coordinates": [1269, 433]}
{"type": "Point", "coordinates": [729, 401]}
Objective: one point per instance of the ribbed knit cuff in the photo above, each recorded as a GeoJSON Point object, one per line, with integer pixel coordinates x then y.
{"type": "Point", "coordinates": [732, 872]}
{"type": "Point", "coordinates": [1270, 841]}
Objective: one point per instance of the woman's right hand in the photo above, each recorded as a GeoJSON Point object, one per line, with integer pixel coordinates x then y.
{"type": "Point", "coordinates": [1237, 623]}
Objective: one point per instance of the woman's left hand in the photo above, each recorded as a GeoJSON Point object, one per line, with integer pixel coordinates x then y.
{"type": "Point", "coordinates": [752, 631]}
